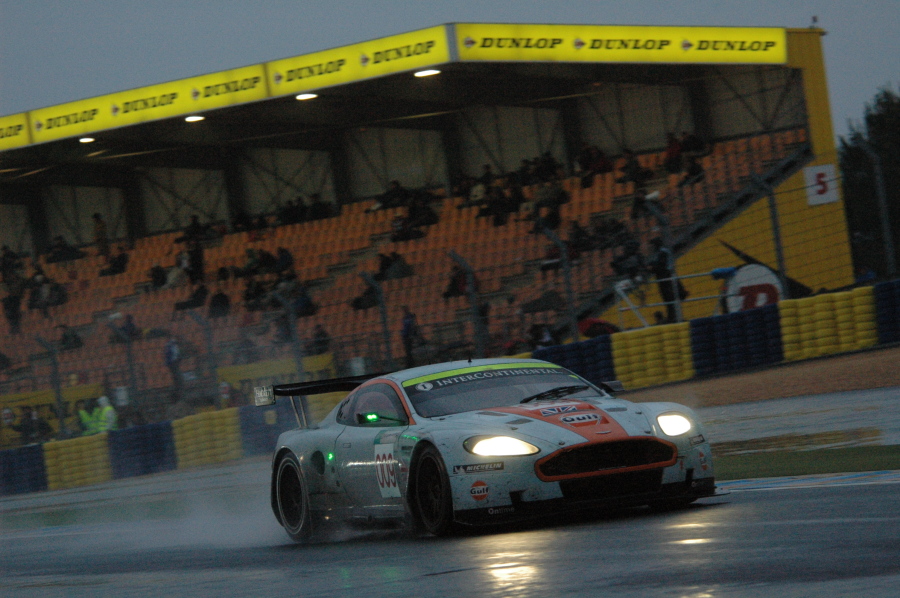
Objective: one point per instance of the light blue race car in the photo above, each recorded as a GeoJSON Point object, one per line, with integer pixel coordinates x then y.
{"type": "Point", "coordinates": [480, 442]}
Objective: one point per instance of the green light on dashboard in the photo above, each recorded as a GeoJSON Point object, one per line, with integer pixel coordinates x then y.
{"type": "Point", "coordinates": [331, 456]}
{"type": "Point", "coordinates": [372, 417]}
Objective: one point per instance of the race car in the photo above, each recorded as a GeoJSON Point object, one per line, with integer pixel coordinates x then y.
{"type": "Point", "coordinates": [479, 442]}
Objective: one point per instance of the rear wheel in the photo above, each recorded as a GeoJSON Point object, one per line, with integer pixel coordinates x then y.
{"type": "Point", "coordinates": [432, 494]}
{"type": "Point", "coordinates": [293, 499]}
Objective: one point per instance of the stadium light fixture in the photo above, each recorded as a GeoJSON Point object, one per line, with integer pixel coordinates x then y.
{"type": "Point", "coordinates": [307, 96]}
{"type": "Point", "coordinates": [194, 118]}
{"type": "Point", "coordinates": [427, 73]}
{"type": "Point", "coordinates": [87, 140]}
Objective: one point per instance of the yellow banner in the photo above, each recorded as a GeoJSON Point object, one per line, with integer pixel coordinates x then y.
{"type": "Point", "coordinates": [278, 371]}
{"type": "Point", "coordinates": [613, 43]}
{"type": "Point", "coordinates": [14, 131]}
{"type": "Point", "coordinates": [165, 100]}
{"type": "Point", "coordinates": [365, 60]}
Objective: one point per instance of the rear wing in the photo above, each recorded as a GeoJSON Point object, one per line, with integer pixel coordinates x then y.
{"type": "Point", "coordinates": [264, 396]}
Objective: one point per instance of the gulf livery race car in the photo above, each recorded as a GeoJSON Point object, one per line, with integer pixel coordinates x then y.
{"type": "Point", "coordinates": [478, 442]}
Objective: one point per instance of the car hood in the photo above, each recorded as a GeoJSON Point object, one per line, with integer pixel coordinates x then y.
{"type": "Point", "coordinates": [569, 420]}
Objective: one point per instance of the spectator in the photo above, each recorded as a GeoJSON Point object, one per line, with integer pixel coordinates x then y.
{"type": "Point", "coordinates": [85, 421]}
{"type": "Point", "coordinates": [127, 332]}
{"type": "Point", "coordinates": [369, 298]}
{"type": "Point", "coordinates": [553, 259]}
{"type": "Point", "coordinates": [158, 277]}
{"type": "Point", "coordinates": [5, 362]}
{"type": "Point", "coordinates": [402, 230]}
{"type": "Point", "coordinates": [392, 266]}
{"type": "Point", "coordinates": [410, 334]}
{"type": "Point", "coordinates": [45, 293]}
{"type": "Point", "coordinates": [100, 239]}
{"type": "Point", "coordinates": [10, 263]}
{"type": "Point", "coordinates": [69, 339]}
{"type": "Point", "coordinates": [219, 305]}
{"type": "Point", "coordinates": [302, 303]}
{"type": "Point", "coordinates": [541, 337]}
{"type": "Point", "coordinates": [284, 260]}
{"type": "Point", "coordinates": [672, 159]}
{"type": "Point", "coordinates": [254, 294]}
{"type": "Point", "coordinates": [195, 262]}
{"type": "Point", "coordinates": [116, 264]}
{"type": "Point", "coordinates": [693, 145]}
{"type": "Point", "coordinates": [12, 305]}
{"type": "Point", "coordinates": [172, 358]}
{"type": "Point", "coordinates": [694, 172]}
{"type": "Point", "coordinates": [241, 222]}
{"type": "Point", "coordinates": [318, 209]}
{"type": "Point", "coordinates": [320, 341]}
{"type": "Point", "coordinates": [594, 327]}
{"type": "Point", "coordinates": [395, 197]}
{"type": "Point", "coordinates": [645, 205]}
{"type": "Point", "coordinates": [632, 171]}
{"type": "Point", "coordinates": [60, 251]}
{"type": "Point", "coordinates": [32, 428]}
{"type": "Point", "coordinates": [630, 263]}
{"type": "Point", "coordinates": [579, 238]}
{"type": "Point", "coordinates": [197, 298]}
{"type": "Point", "coordinates": [194, 233]}
{"type": "Point", "coordinates": [660, 267]}
{"type": "Point", "coordinates": [245, 350]}
{"type": "Point", "coordinates": [547, 168]}
{"type": "Point", "coordinates": [106, 417]}
{"type": "Point", "coordinates": [456, 286]}
{"type": "Point", "coordinates": [591, 162]}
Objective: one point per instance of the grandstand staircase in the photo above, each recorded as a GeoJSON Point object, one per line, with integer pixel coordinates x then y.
{"type": "Point", "coordinates": [706, 222]}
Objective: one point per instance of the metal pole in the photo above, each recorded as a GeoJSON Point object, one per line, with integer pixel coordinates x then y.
{"type": "Point", "coordinates": [567, 281]}
{"type": "Point", "coordinates": [57, 385]}
{"type": "Point", "coordinates": [210, 353]}
{"type": "Point", "coordinates": [296, 349]}
{"type": "Point", "coordinates": [776, 231]}
{"type": "Point", "coordinates": [129, 355]}
{"type": "Point", "coordinates": [883, 213]}
{"type": "Point", "coordinates": [384, 319]}
{"type": "Point", "coordinates": [477, 321]}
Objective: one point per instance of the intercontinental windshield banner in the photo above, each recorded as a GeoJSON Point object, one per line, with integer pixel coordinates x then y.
{"type": "Point", "coordinates": [621, 44]}
{"type": "Point", "coordinates": [365, 60]}
{"type": "Point", "coordinates": [165, 100]}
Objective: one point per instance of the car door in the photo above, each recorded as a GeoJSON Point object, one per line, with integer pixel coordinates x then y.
{"type": "Point", "coordinates": [365, 451]}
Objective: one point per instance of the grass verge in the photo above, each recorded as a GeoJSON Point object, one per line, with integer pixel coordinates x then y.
{"type": "Point", "coordinates": [792, 463]}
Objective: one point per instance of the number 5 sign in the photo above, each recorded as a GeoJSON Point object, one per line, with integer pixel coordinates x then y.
{"type": "Point", "coordinates": [821, 184]}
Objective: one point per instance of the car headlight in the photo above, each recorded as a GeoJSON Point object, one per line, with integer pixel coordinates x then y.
{"type": "Point", "coordinates": [673, 424]}
{"type": "Point", "coordinates": [499, 446]}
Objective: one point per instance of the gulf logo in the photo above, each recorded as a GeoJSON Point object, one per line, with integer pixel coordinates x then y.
{"type": "Point", "coordinates": [479, 490]}
{"type": "Point", "coordinates": [580, 419]}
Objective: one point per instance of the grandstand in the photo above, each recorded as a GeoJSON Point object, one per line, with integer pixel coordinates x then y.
{"type": "Point", "coordinates": [763, 114]}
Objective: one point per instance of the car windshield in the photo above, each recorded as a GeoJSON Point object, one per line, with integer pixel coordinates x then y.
{"type": "Point", "coordinates": [470, 389]}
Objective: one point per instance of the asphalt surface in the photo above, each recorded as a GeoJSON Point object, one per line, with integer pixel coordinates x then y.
{"type": "Point", "coordinates": [210, 532]}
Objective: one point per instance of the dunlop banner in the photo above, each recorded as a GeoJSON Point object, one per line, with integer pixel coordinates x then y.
{"type": "Point", "coordinates": [365, 60]}
{"type": "Point", "coordinates": [613, 43]}
{"type": "Point", "coordinates": [165, 100]}
{"type": "Point", "coordinates": [14, 131]}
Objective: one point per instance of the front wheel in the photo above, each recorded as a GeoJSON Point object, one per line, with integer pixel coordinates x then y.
{"type": "Point", "coordinates": [293, 499]}
{"type": "Point", "coordinates": [432, 495]}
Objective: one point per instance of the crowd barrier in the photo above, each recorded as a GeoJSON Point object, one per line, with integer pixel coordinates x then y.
{"type": "Point", "coordinates": [791, 330]}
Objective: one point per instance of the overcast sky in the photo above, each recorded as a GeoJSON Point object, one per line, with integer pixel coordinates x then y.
{"type": "Point", "coordinates": [55, 51]}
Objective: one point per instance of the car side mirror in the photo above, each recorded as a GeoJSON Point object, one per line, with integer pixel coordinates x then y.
{"type": "Point", "coordinates": [376, 418]}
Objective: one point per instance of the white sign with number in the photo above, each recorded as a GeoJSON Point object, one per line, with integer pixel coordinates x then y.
{"type": "Point", "coordinates": [385, 472]}
{"type": "Point", "coordinates": [821, 184]}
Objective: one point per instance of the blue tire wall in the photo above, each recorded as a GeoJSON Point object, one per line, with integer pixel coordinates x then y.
{"type": "Point", "coordinates": [591, 359]}
{"type": "Point", "coordinates": [22, 470]}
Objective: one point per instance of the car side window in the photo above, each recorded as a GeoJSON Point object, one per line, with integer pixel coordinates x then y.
{"type": "Point", "coordinates": [379, 400]}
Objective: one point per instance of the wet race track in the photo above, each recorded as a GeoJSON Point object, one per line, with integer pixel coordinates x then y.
{"type": "Point", "coordinates": [211, 533]}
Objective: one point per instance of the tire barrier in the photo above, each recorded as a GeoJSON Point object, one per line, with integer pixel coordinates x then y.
{"type": "Point", "coordinates": [141, 450]}
{"type": "Point", "coordinates": [591, 359]}
{"type": "Point", "coordinates": [828, 324]}
{"type": "Point", "coordinates": [77, 462]}
{"type": "Point", "coordinates": [22, 470]}
{"type": "Point", "coordinates": [887, 311]}
{"type": "Point", "coordinates": [653, 355]}
{"type": "Point", "coordinates": [260, 427]}
{"type": "Point", "coordinates": [736, 341]}
{"type": "Point", "coordinates": [792, 330]}
{"type": "Point", "coordinates": [206, 438]}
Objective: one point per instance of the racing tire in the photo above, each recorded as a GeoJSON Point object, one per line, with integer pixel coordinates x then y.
{"type": "Point", "coordinates": [293, 499]}
{"type": "Point", "coordinates": [432, 494]}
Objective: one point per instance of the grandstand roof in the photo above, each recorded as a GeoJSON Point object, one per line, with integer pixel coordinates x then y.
{"type": "Point", "coordinates": [361, 85]}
